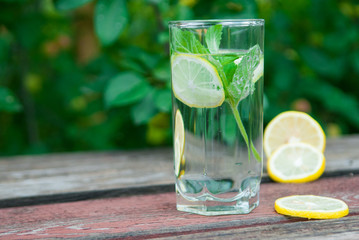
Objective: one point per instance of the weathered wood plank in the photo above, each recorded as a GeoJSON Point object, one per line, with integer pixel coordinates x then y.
{"type": "Point", "coordinates": [155, 216]}
{"type": "Point", "coordinates": [26, 176]}
{"type": "Point", "coordinates": [29, 176]}
{"type": "Point", "coordinates": [347, 228]}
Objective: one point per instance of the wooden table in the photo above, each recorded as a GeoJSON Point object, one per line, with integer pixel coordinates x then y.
{"type": "Point", "coordinates": [131, 195]}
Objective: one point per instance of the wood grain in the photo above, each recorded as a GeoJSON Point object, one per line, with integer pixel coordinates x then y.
{"type": "Point", "coordinates": [347, 228]}
{"type": "Point", "coordinates": [155, 216]}
{"type": "Point", "coordinates": [26, 176]}
{"type": "Point", "coordinates": [47, 175]}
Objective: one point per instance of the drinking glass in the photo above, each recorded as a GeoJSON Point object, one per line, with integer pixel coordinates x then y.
{"type": "Point", "coordinates": [217, 107]}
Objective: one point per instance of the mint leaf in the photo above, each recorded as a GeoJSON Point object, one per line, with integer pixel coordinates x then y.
{"type": "Point", "coordinates": [186, 42]}
{"type": "Point", "coordinates": [225, 66]}
{"type": "Point", "coordinates": [242, 85]}
{"type": "Point", "coordinates": [229, 70]}
{"type": "Point", "coordinates": [227, 58]}
{"type": "Point", "coordinates": [213, 38]}
{"type": "Point", "coordinates": [254, 55]}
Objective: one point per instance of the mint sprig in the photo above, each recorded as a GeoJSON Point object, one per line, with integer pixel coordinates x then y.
{"type": "Point", "coordinates": [213, 38]}
{"type": "Point", "coordinates": [236, 73]}
{"type": "Point", "coordinates": [186, 42]}
{"type": "Point", "coordinates": [242, 85]}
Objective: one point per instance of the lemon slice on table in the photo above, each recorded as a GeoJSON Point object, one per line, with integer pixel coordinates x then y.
{"type": "Point", "coordinates": [310, 206]}
{"type": "Point", "coordinates": [195, 82]}
{"type": "Point", "coordinates": [296, 163]}
{"type": "Point", "coordinates": [179, 144]}
{"type": "Point", "coordinates": [290, 127]}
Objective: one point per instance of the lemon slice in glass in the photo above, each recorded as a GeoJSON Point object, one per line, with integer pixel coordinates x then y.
{"type": "Point", "coordinates": [179, 143]}
{"type": "Point", "coordinates": [291, 127]}
{"type": "Point", "coordinates": [296, 163]}
{"type": "Point", "coordinates": [258, 71]}
{"type": "Point", "coordinates": [311, 207]}
{"type": "Point", "coordinates": [195, 82]}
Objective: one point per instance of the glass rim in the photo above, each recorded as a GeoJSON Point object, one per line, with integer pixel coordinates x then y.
{"type": "Point", "coordinates": [224, 22]}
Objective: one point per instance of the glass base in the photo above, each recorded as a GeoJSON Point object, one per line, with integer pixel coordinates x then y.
{"type": "Point", "coordinates": [213, 208]}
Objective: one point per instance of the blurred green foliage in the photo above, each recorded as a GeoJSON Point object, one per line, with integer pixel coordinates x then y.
{"type": "Point", "coordinates": [95, 74]}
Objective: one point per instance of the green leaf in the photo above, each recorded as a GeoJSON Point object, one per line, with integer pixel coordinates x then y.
{"type": "Point", "coordinates": [242, 85]}
{"type": "Point", "coordinates": [229, 69]}
{"type": "Point", "coordinates": [186, 42]}
{"type": "Point", "coordinates": [213, 38]}
{"type": "Point", "coordinates": [137, 59]}
{"type": "Point", "coordinates": [333, 99]}
{"type": "Point", "coordinates": [132, 65]}
{"type": "Point", "coordinates": [163, 71]}
{"type": "Point", "coordinates": [64, 5]}
{"type": "Point", "coordinates": [227, 59]}
{"type": "Point", "coordinates": [144, 110]}
{"type": "Point", "coordinates": [8, 102]}
{"type": "Point", "coordinates": [111, 17]}
{"type": "Point", "coordinates": [162, 99]}
{"type": "Point", "coordinates": [147, 59]}
{"type": "Point", "coordinates": [321, 63]}
{"type": "Point", "coordinates": [125, 88]}
{"type": "Point", "coordinates": [225, 66]}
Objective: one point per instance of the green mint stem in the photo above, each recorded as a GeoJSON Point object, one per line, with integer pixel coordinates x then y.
{"type": "Point", "coordinates": [255, 153]}
{"type": "Point", "coordinates": [240, 126]}
{"type": "Point", "coordinates": [244, 133]}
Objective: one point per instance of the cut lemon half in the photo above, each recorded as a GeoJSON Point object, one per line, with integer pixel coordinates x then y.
{"type": "Point", "coordinates": [291, 127]}
{"type": "Point", "coordinates": [179, 143]}
{"type": "Point", "coordinates": [195, 82]}
{"type": "Point", "coordinates": [296, 163]}
{"type": "Point", "coordinates": [310, 206]}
